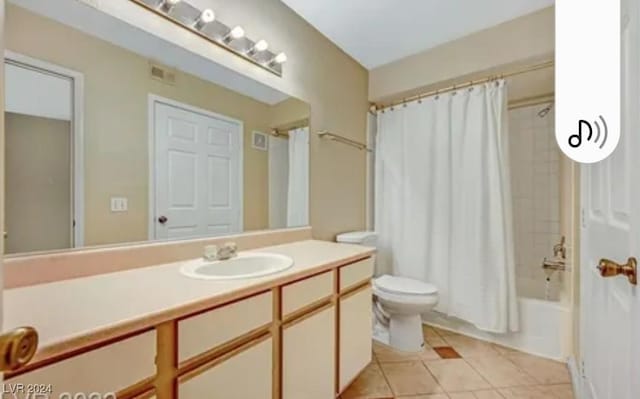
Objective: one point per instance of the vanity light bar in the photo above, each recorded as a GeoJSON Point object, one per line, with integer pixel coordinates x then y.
{"type": "Point", "coordinates": [205, 24]}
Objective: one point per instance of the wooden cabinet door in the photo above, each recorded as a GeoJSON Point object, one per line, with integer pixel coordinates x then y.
{"type": "Point", "coordinates": [355, 334]}
{"type": "Point", "coordinates": [246, 373]}
{"type": "Point", "coordinates": [309, 356]}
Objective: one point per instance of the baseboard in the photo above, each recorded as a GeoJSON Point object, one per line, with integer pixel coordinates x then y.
{"type": "Point", "coordinates": [576, 378]}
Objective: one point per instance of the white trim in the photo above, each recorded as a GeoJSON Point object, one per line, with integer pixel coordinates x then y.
{"type": "Point", "coordinates": [153, 100]}
{"type": "Point", "coordinates": [77, 124]}
{"type": "Point", "coordinates": [576, 377]}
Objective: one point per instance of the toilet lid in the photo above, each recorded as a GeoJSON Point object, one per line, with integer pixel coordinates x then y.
{"type": "Point", "coordinates": [405, 286]}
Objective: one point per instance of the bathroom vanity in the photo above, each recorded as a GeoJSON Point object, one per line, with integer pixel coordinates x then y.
{"type": "Point", "coordinates": [153, 332]}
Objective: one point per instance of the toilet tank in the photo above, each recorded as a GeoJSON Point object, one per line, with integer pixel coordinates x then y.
{"type": "Point", "coordinates": [366, 238]}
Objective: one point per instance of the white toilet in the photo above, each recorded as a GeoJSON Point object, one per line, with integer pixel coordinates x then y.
{"type": "Point", "coordinates": [398, 304]}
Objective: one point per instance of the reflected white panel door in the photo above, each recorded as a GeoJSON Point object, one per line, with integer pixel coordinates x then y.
{"type": "Point", "coordinates": [610, 308]}
{"type": "Point", "coordinates": [198, 180]}
{"type": "Point", "coordinates": [278, 182]}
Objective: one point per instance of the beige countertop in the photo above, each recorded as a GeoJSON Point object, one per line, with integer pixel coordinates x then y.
{"type": "Point", "coordinates": [74, 314]}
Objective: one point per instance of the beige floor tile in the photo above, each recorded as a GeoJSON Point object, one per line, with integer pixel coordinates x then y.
{"type": "Point", "coordinates": [444, 333]}
{"type": "Point", "coordinates": [523, 393]}
{"type": "Point", "coordinates": [429, 354]}
{"type": "Point", "coordinates": [435, 396]}
{"type": "Point", "coordinates": [462, 395]}
{"type": "Point", "coordinates": [428, 331]}
{"type": "Point", "coordinates": [560, 391]}
{"type": "Point", "coordinates": [369, 385]}
{"type": "Point", "coordinates": [410, 378]}
{"type": "Point", "coordinates": [503, 350]}
{"type": "Point", "coordinates": [500, 372]}
{"type": "Point", "coordinates": [455, 375]}
{"type": "Point", "coordinates": [435, 341]}
{"type": "Point", "coordinates": [470, 347]}
{"type": "Point", "coordinates": [490, 394]}
{"type": "Point", "coordinates": [386, 354]}
{"type": "Point", "coordinates": [543, 370]}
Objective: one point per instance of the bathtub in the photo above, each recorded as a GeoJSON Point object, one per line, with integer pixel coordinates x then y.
{"type": "Point", "coordinates": [545, 329]}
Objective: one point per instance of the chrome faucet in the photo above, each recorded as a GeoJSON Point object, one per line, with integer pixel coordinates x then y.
{"type": "Point", "coordinates": [558, 262]}
{"type": "Point", "coordinates": [227, 251]}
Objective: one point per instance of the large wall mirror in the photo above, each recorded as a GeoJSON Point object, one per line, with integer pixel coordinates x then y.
{"type": "Point", "coordinates": [114, 135]}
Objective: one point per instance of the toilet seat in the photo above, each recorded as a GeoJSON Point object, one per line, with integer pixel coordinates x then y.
{"type": "Point", "coordinates": [403, 286]}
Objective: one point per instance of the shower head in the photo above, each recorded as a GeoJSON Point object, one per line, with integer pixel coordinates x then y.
{"type": "Point", "coordinates": [543, 112]}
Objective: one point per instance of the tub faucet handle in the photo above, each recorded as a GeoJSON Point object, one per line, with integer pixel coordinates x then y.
{"type": "Point", "coordinates": [559, 250]}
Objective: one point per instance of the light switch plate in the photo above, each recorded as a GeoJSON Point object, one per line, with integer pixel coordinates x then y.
{"type": "Point", "coordinates": [119, 204]}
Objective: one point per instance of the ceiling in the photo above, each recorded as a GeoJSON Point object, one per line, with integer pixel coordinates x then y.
{"type": "Point", "coordinates": [382, 31]}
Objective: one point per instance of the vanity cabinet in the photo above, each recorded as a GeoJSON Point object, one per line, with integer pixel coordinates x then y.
{"type": "Point", "coordinates": [309, 356]}
{"type": "Point", "coordinates": [306, 338]}
{"type": "Point", "coordinates": [242, 374]}
{"type": "Point", "coordinates": [355, 323]}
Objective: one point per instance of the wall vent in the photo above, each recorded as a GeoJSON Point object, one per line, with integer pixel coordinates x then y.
{"type": "Point", "coordinates": [163, 74]}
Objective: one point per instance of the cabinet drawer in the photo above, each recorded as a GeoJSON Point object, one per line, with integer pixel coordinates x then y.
{"type": "Point", "coordinates": [111, 368]}
{"type": "Point", "coordinates": [245, 375]}
{"type": "Point", "coordinates": [303, 293]}
{"type": "Point", "coordinates": [206, 331]}
{"type": "Point", "coordinates": [356, 273]}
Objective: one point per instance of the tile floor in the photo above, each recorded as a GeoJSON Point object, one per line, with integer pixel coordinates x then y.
{"type": "Point", "coordinates": [466, 369]}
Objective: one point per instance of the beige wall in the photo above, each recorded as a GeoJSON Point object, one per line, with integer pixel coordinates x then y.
{"type": "Point", "coordinates": [117, 84]}
{"type": "Point", "coordinates": [38, 183]}
{"type": "Point", "coordinates": [525, 40]}
{"type": "Point", "coordinates": [317, 72]}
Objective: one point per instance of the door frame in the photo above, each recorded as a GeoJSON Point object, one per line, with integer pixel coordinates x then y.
{"type": "Point", "coordinates": [154, 99]}
{"type": "Point", "coordinates": [77, 131]}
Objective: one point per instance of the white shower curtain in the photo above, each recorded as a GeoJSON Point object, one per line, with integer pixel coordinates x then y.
{"type": "Point", "coordinates": [298, 191]}
{"type": "Point", "coordinates": [443, 203]}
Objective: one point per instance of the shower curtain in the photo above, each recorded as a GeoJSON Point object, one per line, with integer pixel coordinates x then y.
{"type": "Point", "coordinates": [298, 191]}
{"type": "Point", "coordinates": [443, 203]}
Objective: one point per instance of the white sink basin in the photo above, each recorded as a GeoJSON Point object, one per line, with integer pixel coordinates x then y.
{"type": "Point", "coordinates": [245, 265]}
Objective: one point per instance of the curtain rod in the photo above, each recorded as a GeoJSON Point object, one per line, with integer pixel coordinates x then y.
{"type": "Point", "coordinates": [283, 130]}
{"type": "Point", "coordinates": [547, 64]}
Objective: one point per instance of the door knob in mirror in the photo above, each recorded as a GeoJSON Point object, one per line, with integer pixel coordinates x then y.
{"type": "Point", "coordinates": [163, 219]}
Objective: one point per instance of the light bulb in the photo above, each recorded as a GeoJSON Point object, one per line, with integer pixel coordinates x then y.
{"type": "Point", "coordinates": [237, 32]}
{"type": "Point", "coordinates": [167, 5]}
{"type": "Point", "coordinates": [280, 58]}
{"type": "Point", "coordinates": [261, 45]}
{"type": "Point", "coordinates": [207, 16]}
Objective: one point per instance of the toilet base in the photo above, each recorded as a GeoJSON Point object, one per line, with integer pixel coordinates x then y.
{"type": "Point", "coordinates": [405, 333]}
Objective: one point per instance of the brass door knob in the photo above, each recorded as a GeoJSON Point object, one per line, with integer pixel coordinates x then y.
{"type": "Point", "coordinates": [17, 348]}
{"type": "Point", "coordinates": [609, 268]}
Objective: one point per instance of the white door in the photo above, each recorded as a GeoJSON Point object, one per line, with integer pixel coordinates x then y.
{"type": "Point", "coordinates": [198, 179]}
{"type": "Point", "coordinates": [610, 307]}
{"type": "Point", "coordinates": [278, 182]}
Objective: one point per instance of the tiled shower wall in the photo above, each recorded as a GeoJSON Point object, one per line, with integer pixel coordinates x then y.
{"type": "Point", "coordinates": [535, 178]}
